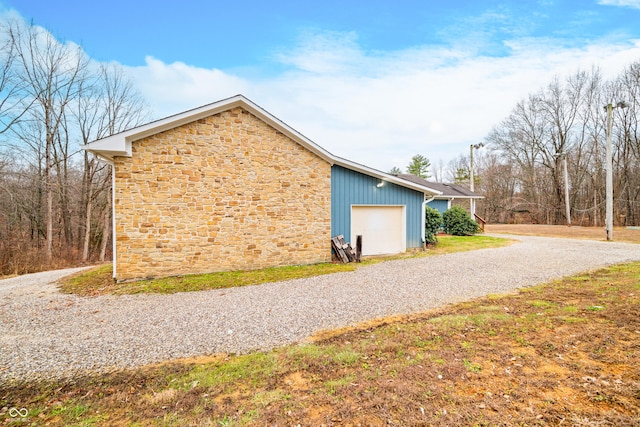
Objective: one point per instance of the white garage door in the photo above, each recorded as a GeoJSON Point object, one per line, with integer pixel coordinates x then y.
{"type": "Point", "coordinates": [382, 229]}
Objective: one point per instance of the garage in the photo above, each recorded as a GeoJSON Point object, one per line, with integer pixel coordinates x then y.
{"type": "Point", "coordinates": [382, 228]}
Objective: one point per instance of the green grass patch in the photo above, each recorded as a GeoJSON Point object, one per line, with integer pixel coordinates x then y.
{"type": "Point", "coordinates": [332, 386]}
{"type": "Point", "coordinates": [491, 308]}
{"type": "Point", "coordinates": [230, 279]}
{"type": "Point", "coordinates": [449, 244]}
{"type": "Point", "coordinates": [346, 357]}
{"type": "Point", "coordinates": [306, 352]}
{"type": "Point", "coordinates": [471, 367]}
{"type": "Point", "coordinates": [307, 355]}
{"type": "Point", "coordinates": [542, 304]}
{"type": "Point", "coordinates": [428, 343]}
{"type": "Point", "coordinates": [95, 281]}
{"type": "Point", "coordinates": [99, 281]}
{"type": "Point", "coordinates": [449, 359]}
{"type": "Point", "coordinates": [256, 368]}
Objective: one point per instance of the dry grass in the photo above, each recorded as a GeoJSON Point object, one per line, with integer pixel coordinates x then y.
{"type": "Point", "coordinates": [620, 234]}
{"type": "Point", "coordinates": [565, 353]}
{"type": "Point", "coordinates": [15, 261]}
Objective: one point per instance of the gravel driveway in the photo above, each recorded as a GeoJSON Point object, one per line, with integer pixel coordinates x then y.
{"type": "Point", "coordinates": [47, 334]}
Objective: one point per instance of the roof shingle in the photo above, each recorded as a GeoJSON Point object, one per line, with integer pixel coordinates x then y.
{"type": "Point", "coordinates": [448, 190]}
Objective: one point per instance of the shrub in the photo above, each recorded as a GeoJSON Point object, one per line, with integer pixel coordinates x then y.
{"type": "Point", "coordinates": [458, 222]}
{"type": "Point", "coordinates": [433, 223]}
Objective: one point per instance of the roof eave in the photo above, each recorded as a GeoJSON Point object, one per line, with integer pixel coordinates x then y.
{"type": "Point", "coordinates": [459, 196]}
{"type": "Point", "coordinates": [384, 176]}
{"type": "Point", "coordinates": [115, 145]}
{"type": "Point", "coordinates": [120, 144]}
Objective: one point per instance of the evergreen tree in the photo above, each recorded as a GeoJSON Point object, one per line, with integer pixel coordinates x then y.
{"type": "Point", "coordinates": [419, 166]}
{"type": "Point", "coordinates": [462, 176]}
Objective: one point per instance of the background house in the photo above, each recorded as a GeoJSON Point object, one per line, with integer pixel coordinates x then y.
{"type": "Point", "coordinates": [228, 186]}
{"type": "Point", "coordinates": [450, 194]}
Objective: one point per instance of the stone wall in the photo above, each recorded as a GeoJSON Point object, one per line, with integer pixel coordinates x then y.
{"type": "Point", "coordinates": [227, 192]}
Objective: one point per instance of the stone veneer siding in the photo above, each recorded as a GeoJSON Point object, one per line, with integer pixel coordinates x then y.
{"type": "Point", "coordinates": [227, 192]}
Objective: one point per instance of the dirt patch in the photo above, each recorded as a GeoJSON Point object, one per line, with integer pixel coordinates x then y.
{"type": "Point", "coordinates": [566, 353]}
{"type": "Point", "coordinates": [620, 234]}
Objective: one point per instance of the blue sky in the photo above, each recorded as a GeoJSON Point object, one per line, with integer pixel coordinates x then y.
{"type": "Point", "coordinates": [373, 81]}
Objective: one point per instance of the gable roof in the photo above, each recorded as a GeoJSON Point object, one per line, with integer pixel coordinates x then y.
{"type": "Point", "coordinates": [448, 191]}
{"type": "Point", "coordinates": [119, 144]}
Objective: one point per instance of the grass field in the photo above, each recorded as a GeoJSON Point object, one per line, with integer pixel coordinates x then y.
{"type": "Point", "coordinates": [563, 353]}
{"type": "Point", "coordinates": [620, 234]}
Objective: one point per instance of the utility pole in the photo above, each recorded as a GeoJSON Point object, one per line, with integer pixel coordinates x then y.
{"type": "Point", "coordinates": [567, 205]}
{"type": "Point", "coordinates": [472, 202]}
{"type": "Point", "coordinates": [609, 163]}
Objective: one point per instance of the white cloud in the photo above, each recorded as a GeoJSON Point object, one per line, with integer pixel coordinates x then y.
{"type": "Point", "coordinates": [623, 3]}
{"type": "Point", "coordinates": [326, 53]}
{"type": "Point", "coordinates": [382, 108]}
{"type": "Point", "coordinates": [173, 88]}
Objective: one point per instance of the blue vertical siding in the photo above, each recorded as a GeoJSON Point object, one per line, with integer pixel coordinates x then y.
{"type": "Point", "coordinates": [354, 188]}
{"type": "Point", "coordinates": [441, 205]}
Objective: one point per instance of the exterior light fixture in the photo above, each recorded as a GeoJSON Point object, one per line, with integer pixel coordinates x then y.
{"type": "Point", "coordinates": [609, 163]}
{"type": "Point", "coordinates": [380, 184]}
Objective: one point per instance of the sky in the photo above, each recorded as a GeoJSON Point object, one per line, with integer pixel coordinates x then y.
{"type": "Point", "coordinates": [375, 82]}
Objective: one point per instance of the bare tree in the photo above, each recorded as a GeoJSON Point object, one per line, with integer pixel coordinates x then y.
{"type": "Point", "coordinates": [438, 171]}
{"type": "Point", "coordinates": [52, 100]}
{"type": "Point", "coordinates": [51, 73]}
{"type": "Point", "coordinates": [563, 119]}
{"type": "Point", "coordinates": [498, 186]}
{"type": "Point", "coordinates": [109, 104]}
{"type": "Point", "coordinates": [519, 138]}
{"type": "Point", "coordinates": [458, 170]}
{"type": "Point", "coordinates": [627, 144]}
{"type": "Point", "coordinates": [12, 102]}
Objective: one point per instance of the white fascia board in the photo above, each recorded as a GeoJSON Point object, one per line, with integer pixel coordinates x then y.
{"type": "Point", "coordinates": [384, 176]}
{"type": "Point", "coordinates": [115, 145]}
{"type": "Point", "coordinates": [120, 144]}
{"type": "Point", "coordinates": [459, 196]}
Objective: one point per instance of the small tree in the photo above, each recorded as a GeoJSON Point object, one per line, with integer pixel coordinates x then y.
{"type": "Point", "coordinates": [433, 223]}
{"type": "Point", "coordinates": [419, 166]}
{"type": "Point", "coordinates": [462, 176]}
{"type": "Point", "coordinates": [458, 222]}
{"type": "Point", "coordinates": [395, 171]}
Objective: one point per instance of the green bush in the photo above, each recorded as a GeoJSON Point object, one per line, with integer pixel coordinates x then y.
{"type": "Point", "coordinates": [458, 222]}
{"type": "Point", "coordinates": [433, 223]}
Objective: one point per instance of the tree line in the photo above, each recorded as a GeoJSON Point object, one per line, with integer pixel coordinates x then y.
{"type": "Point", "coordinates": [521, 169]}
{"type": "Point", "coordinates": [55, 201]}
